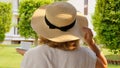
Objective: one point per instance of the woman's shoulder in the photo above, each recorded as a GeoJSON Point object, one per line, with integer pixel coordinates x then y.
{"type": "Point", "coordinates": [86, 50]}
{"type": "Point", "coordinates": [38, 49]}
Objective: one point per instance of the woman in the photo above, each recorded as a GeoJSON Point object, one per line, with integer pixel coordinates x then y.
{"type": "Point", "coordinates": [60, 29]}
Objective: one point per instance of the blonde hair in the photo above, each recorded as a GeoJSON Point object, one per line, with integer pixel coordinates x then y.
{"type": "Point", "coordinates": [67, 46]}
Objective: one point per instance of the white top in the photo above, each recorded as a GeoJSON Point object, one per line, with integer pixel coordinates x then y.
{"type": "Point", "coordinates": [48, 57]}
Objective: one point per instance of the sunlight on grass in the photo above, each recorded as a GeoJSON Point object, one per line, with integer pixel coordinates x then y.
{"type": "Point", "coordinates": [106, 51]}
{"type": "Point", "coordinates": [109, 55]}
{"type": "Point", "coordinates": [9, 58]}
{"type": "Point", "coordinates": [113, 66]}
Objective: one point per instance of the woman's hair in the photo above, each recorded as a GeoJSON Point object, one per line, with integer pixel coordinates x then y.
{"type": "Point", "coordinates": [68, 46]}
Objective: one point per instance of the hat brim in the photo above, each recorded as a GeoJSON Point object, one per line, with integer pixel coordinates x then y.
{"type": "Point", "coordinates": [42, 29]}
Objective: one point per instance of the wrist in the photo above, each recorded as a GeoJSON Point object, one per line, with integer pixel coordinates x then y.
{"type": "Point", "coordinates": [95, 48]}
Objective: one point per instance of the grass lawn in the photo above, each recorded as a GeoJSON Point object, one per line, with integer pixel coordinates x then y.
{"type": "Point", "coordinates": [109, 55]}
{"type": "Point", "coordinates": [9, 58]}
{"type": "Point", "coordinates": [113, 66]}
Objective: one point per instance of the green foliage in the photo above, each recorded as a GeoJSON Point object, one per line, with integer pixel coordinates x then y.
{"type": "Point", "coordinates": [26, 9]}
{"type": "Point", "coordinates": [5, 18]}
{"type": "Point", "coordinates": [2, 36]}
{"type": "Point", "coordinates": [106, 22]}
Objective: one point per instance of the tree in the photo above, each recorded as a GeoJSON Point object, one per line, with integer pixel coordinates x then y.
{"type": "Point", "coordinates": [106, 22]}
{"type": "Point", "coordinates": [5, 19]}
{"type": "Point", "coordinates": [26, 9]}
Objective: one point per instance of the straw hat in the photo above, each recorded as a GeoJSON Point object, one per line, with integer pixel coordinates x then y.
{"type": "Point", "coordinates": [58, 22]}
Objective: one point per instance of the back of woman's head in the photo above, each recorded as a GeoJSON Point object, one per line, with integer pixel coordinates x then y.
{"type": "Point", "coordinates": [67, 46]}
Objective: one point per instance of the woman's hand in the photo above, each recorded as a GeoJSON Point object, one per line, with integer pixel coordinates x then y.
{"type": "Point", "coordinates": [88, 35]}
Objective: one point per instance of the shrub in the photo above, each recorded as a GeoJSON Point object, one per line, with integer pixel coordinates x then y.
{"type": "Point", "coordinates": [5, 18]}
{"type": "Point", "coordinates": [106, 22]}
{"type": "Point", "coordinates": [26, 9]}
